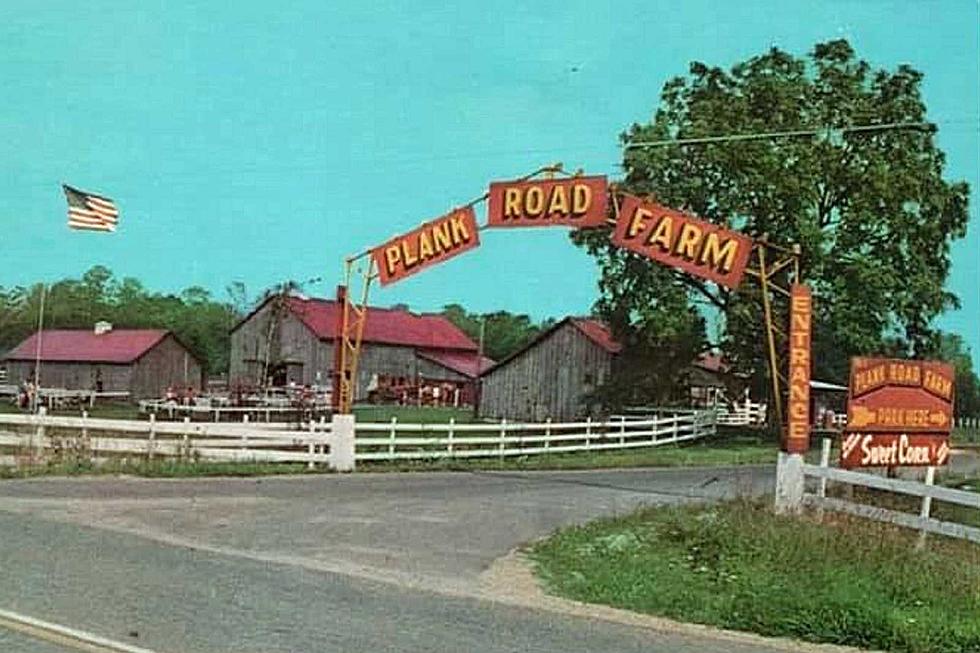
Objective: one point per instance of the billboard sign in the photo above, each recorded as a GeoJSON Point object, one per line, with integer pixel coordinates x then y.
{"type": "Point", "coordinates": [432, 243]}
{"type": "Point", "coordinates": [679, 240]}
{"type": "Point", "coordinates": [860, 449]}
{"type": "Point", "coordinates": [909, 396]}
{"type": "Point", "coordinates": [568, 202]}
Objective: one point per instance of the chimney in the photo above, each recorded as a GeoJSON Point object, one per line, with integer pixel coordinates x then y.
{"type": "Point", "coordinates": [102, 327]}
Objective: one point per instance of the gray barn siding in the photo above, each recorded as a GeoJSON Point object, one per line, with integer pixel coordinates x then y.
{"type": "Point", "coordinates": [73, 376]}
{"type": "Point", "coordinates": [549, 379]}
{"type": "Point", "coordinates": [429, 370]}
{"type": "Point", "coordinates": [167, 364]}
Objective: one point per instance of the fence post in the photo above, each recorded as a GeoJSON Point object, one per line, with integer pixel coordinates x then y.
{"type": "Point", "coordinates": [186, 444]}
{"type": "Point", "coordinates": [84, 444]}
{"type": "Point", "coordinates": [323, 421]}
{"type": "Point", "coordinates": [152, 436]}
{"type": "Point", "coordinates": [244, 436]}
{"type": "Point", "coordinates": [824, 463]}
{"type": "Point", "coordinates": [926, 508]}
{"type": "Point", "coordinates": [311, 447]}
{"type": "Point", "coordinates": [503, 434]}
{"type": "Point", "coordinates": [342, 446]}
{"type": "Point", "coordinates": [40, 432]}
{"type": "Point", "coordinates": [588, 432]}
{"type": "Point", "coordinates": [789, 483]}
{"type": "Point", "coordinates": [673, 416]}
{"type": "Point", "coordinates": [391, 438]}
{"type": "Point", "coordinates": [622, 430]}
{"type": "Point", "coordinates": [547, 433]}
{"type": "Point", "coordinates": [452, 425]}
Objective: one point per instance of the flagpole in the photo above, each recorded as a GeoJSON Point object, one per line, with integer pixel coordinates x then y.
{"type": "Point", "coordinates": [37, 351]}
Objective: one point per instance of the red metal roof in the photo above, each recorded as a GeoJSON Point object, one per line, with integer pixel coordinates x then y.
{"type": "Point", "coordinates": [385, 326]}
{"type": "Point", "coordinates": [598, 333]}
{"type": "Point", "coordinates": [83, 346]}
{"type": "Point", "coordinates": [466, 363]}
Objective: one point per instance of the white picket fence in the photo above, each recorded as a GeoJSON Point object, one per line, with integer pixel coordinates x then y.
{"type": "Point", "coordinates": [790, 474]}
{"type": "Point", "coordinates": [34, 438]}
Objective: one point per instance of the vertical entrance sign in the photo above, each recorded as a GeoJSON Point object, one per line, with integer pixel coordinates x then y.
{"type": "Point", "coordinates": [800, 339]}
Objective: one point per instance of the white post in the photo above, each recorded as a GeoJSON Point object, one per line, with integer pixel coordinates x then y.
{"type": "Point", "coordinates": [323, 430]}
{"type": "Point", "coordinates": [40, 432]}
{"type": "Point", "coordinates": [244, 436]}
{"type": "Point", "coordinates": [342, 443]}
{"type": "Point", "coordinates": [217, 413]}
{"type": "Point", "coordinates": [926, 507]}
{"type": "Point", "coordinates": [503, 434]}
{"type": "Point", "coordinates": [84, 443]}
{"type": "Point", "coordinates": [547, 433]}
{"type": "Point", "coordinates": [824, 462]}
{"type": "Point", "coordinates": [312, 444]}
{"type": "Point", "coordinates": [588, 431]}
{"type": "Point", "coordinates": [789, 483]}
{"type": "Point", "coordinates": [622, 430]}
{"type": "Point", "coordinates": [391, 437]}
{"type": "Point", "coordinates": [673, 416]}
{"type": "Point", "coordinates": [187, 437]}
{"type": "Point", "coordinates": [452, 426]}
{"type": "Point", "coordinates": [152, 436]}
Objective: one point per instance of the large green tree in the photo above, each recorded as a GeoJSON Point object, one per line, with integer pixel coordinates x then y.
{"type": "Point", "coordinates": [870, 208]}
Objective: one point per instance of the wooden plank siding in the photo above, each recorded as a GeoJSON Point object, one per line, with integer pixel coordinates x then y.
{"type": "Point", "coordinates": [309, 359]}
{"type": "Point", "coordinates": [548, 379]}
{"type": "Point", "coordinates": [167, 364]}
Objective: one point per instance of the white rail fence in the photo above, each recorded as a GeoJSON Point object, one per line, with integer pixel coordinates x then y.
{"type": "Point", "coordinates": [26, 439]}
{"type": "Point", "coordinates": [398, 441]}
{"type": "Point", "coordinates": [927, 491]}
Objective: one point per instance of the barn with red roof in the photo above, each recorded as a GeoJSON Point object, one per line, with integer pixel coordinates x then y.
{"type": "Point", "coordinates": [142, 362]}
{"type": "Point", "coordinates": [291, 339]}
{"type": "Point", "coordinates": [552, 375]}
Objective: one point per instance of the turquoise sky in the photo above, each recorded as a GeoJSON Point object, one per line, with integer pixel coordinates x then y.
{"type": "Point", "coordinates": [260, 141]}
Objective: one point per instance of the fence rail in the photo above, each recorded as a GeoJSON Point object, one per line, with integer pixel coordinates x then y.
{"type": "Point", "coordinates": [928, 492]}
{"type": "Point", "coordinates": [34, 438]}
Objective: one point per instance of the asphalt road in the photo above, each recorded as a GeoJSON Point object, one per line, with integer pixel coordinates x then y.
{"type": "Point", "coordinates": [372, 562]}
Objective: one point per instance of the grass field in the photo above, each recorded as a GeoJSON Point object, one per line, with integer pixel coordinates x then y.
{"type": "Point", "coordinates": [738, 566]}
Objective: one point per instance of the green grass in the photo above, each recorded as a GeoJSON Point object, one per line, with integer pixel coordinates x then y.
{"type": "Point", "coordinates": [104, 410]}
{"type": "Point", "coordinates": [156, 469]}
{"type": "Point", "coordinates": [738, 566]}
{"type": "Point", "coordinates": [413, 414]}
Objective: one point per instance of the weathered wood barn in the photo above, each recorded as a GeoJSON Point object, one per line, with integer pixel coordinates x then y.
{"type": "Point", "coordinates": [551, 375]}
{"type": "Point", "coordinates": [142, 362]}
{"type": "Point", "coordinates": [291, 340]}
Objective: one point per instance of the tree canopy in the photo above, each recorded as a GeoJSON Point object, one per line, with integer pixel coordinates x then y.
{"type": "Point", "coordinates": [194, 316]}
{"type": "Point", "coordinates": [870, 208]}
{"type": "Point", "coordinates": [504, 332]}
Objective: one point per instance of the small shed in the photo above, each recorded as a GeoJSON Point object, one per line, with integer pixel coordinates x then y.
{"type": "Point", "coordinates": [142, 362]}
{"type": "Point", "coordinates": [551, 375]}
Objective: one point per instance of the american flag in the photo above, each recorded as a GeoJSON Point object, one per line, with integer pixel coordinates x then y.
{"type": "Point", "coordinates": [90, 211]}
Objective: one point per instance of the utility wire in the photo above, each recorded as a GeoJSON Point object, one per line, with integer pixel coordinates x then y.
{"type": "Point", "coordinates": [784, 134]}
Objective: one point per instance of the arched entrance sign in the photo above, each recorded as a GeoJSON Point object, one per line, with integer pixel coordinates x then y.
{"type": "Point", "coordinates": [550, 197]}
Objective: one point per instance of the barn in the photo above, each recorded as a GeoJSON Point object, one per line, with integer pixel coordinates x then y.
{"type": "Point", "coordinates": [142, 362]}
{"type": "Point", "coordinates": [551, 375]}
{"type": "Point", "coordinates": [291, 340]}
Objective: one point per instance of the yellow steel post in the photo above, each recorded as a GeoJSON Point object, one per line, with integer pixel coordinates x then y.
{"type": "Point", "coordinates": [770, 334]}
